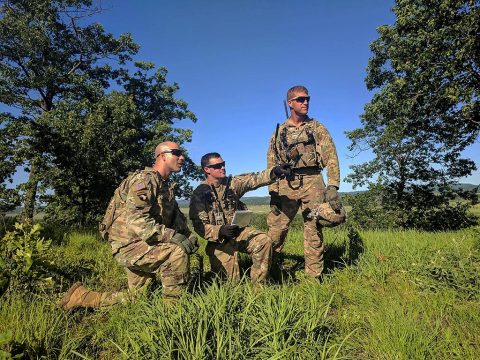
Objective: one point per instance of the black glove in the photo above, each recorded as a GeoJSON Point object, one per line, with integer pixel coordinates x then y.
{"type": "Point", "coordinates": [229, 231]}
{"type": "Point", "coordinates": [282, 171]}
{"type": "Point", "coordinates": [189, 245]}
{"type": "Point", "coordinates": [332, 197]}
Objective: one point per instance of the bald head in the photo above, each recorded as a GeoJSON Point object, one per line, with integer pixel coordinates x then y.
{"type": "Point", "coordinates": [165, 146]}
{"type": "Point", "coordinates": [168, 158]}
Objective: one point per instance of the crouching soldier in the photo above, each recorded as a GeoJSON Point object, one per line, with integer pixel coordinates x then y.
{"type": "Point", "coordinates": [212, 208]}
{"type": "Point", "coordinates": [147, 232]}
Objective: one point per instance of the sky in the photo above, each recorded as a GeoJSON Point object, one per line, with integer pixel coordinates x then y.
{"type": "Point", "coordinates": [235, 60]}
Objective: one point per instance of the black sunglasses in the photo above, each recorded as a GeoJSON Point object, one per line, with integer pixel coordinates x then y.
{"type": "Point", "coordinates": [216, 166]}
{"type": "Point", "coordinates": [174, 152]}
{"type": "Point", "coordinates": [301, 99]}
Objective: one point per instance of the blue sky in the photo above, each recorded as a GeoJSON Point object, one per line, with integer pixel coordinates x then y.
{"type": "Point", "coordinates": [235, 60]}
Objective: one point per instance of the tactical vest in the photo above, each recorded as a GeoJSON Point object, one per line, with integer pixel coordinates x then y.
{"type": "Point", "coordinates": [297, 146]}
{"type": "Point", "coordinates": [221, 207]}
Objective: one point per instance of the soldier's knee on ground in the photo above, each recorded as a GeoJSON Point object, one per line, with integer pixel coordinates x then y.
{"type": "Point", "coordinates": [174, 286]}
{"type": "Point", "coordinates": [179, 260]}
{"type": "Point", "coordinates": [263, 246]}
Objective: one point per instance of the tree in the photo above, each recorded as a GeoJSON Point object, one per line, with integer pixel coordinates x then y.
{"type": "Point", "coordinates": [425, 112]}
{"type": "Point", "coordinates": [97, 144]}
{"type": "Point", "coordinates": [158, 107]}
{"type": "Point", "coordinates": [47, 55]}
{"type": "Point", "coordinates": [9, 197]}
{"type": "Point", "coordinates": [76, 136]}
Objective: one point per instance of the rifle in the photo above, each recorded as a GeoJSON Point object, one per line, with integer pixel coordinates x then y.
{"type": "Point", "coordinates": [275, 148]}
{"type": "Point", "coordinates": [286, 109]}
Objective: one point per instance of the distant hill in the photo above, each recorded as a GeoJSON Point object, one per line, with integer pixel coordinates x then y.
{"type": "Point", "coordinates": [467, 187]}
{"type": "Point", "coordinates": [265, 200]}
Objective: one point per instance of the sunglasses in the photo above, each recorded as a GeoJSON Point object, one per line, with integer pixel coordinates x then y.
{"type": "Point", "coordinates": [174, 152]}
{"type": "Point", "coordinates": [301, 99]}
{"type": "Point", "coordinates": [216, 166]}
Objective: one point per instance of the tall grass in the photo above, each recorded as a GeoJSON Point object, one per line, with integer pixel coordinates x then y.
{"type": "Point", "coordinates": [385, 295]}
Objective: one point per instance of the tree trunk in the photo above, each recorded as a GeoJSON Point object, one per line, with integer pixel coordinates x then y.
{"type": "Point", "coordinates": [30, 192]}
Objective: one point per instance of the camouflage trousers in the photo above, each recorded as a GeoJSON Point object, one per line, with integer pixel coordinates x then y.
{"type": "Point", "coordinates": [142, 262]}
{"type": "Point", "coordinates": [224, 256]}
{"type": "Point", "coordinates": [304, 192]}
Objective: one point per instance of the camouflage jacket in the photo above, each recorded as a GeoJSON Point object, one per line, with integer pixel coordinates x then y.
{"type": "Point", "coordinates": [145, 210]}
{"type": "Point", "coordinates": [211, 207]}
{"type": "Point", "coordinates": [308, 146]}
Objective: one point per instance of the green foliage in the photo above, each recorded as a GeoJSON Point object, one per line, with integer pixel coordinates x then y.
{"type": "Point", "coordinates": [25, 258]}
{"type": "Point", "coordinates": [368, 211]}
{"type": "Point", "coordinates": [430, 58]}
{"type": "Point", "coordinates": [444, 217]}
{"type": "Point", "coordinates": [5, 338]}
{"type": "Point", "coordinates": [9, 198]}
{"type": "Point", "coordinates": [224, 322]}
{"type": "Point", "coordinates": [47, 54]}
{"type": "Point", "coordinates": [409, 295]}
{"type": "Point", "coordinates": [374, 209]}
{"type": "Point", "coordinates": [83, 256]}
{"type": "Point", "coordinates": [425, 111]}
{"type": "Point", "coordinates": [42, 332]}
{"type": "Point", "coordinates": [75, 136]}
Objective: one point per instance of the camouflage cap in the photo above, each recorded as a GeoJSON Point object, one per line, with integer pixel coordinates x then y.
{"type": "Point", "coordinates": [326, 216]}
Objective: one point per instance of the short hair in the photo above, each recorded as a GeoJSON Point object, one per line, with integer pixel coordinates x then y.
{"type": "Point", "coordinates": [296, 89]}
{"type": "Point", "coordinates": [206, 158]}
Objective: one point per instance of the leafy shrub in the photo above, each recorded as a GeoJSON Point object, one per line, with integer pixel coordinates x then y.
{"type": "Point", "coordinates": [445, 217]}
{"type": "Point", "coordinates": [376, 209]}
{"type": "Point", "coordinates": [7, 223]}
{"type": "Point", "coordinates": [24, 260]}
{"type": "Point", "coordinates": [368, 211]}
{"type": "Point", "coordinates": [5, 338]}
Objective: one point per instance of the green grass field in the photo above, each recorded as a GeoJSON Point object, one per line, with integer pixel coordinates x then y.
{"type": "Point", "coordinates": [385, 295]}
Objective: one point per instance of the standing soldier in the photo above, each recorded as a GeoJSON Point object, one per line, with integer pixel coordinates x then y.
{"type": "Point", "coordinates": [147, 232]}
{"type": "Point", "coordinates": [306, 145]}
{"type": "Point", "coordinates": [212, 208]}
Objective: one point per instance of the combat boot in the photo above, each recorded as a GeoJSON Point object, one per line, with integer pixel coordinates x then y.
{"type": "Point", "coordinates": [79, 296]}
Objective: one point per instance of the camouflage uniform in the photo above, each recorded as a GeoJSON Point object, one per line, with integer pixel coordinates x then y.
{"type": "Point", "coordinates": [145, 219]}
{"type": "Point", "coordinates": [309, 149]}
{"type": "Point", "coordinates": [211, 207]}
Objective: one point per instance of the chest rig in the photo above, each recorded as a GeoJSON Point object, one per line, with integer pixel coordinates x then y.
{"type": "Point", "coordinates": [298, 146]}
{"type": "Point", "coordinates": [222, 205]}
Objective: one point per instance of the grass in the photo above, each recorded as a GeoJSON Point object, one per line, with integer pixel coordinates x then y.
{"type": "Point", "coordinates": [385, 295]}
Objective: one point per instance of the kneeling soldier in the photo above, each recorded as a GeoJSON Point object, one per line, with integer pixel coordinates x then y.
{"type": "Point", "coordinates": [147, 232]}
{"type": "Point", "coordinates": [212, 207]}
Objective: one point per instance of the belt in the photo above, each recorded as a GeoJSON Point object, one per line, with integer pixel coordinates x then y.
{"type": "Point", "coordinates": [311, 170]}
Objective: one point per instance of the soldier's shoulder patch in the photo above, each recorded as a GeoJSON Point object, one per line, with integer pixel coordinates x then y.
{"type": "Point", "coordinates": [142, 197]}
{"type": "Point", "coordinates": [138, 186]}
